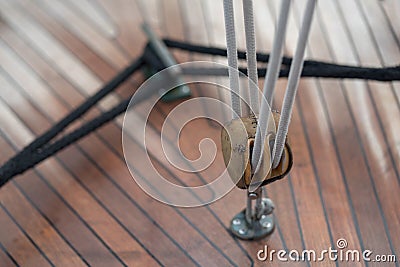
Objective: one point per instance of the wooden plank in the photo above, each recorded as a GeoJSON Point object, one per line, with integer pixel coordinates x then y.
{"type": "Point", "coordinates": [119, 237]}
{"type": "Point", "coordinates": [6, 258]}
{"type": "Point", "coordinates": [94, 13]}
{"type": "Point", "coordinates": [41, 232]}
{"type": "Point", "coordinates": [18, 245]}
{"type": "Point", "coordinates": [388, 52]}
{"type": "Point", "coordinates": [391, 8]}
{"type": "Point", "coordinates": [349, 148]}
{"type": "Point", "coordinates": [106, 230]}
{"type": "Point", "coordinates": [344, 183]}
{"type": "Point", "coordinates": [78, 26]}
{"type": "Point", "coordinates": [79, 75]}
{"type": "Point", "coordinates": [127, 19]}
{"type": "Point", "coordinates": [76, 46]}
{"type": "Point", "coordinates": [118, 145]}
{"type": "Point", "coordinates": [378, 147]}
{"type": "Point", "coordinates": [67, 202]}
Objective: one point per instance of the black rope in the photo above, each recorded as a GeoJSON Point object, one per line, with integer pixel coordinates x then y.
{"type": "Point", "coordinates": [25, 162]}
{"type": "Point", "coordinates": [311, 68]}
{"type": "Point", "coordinates": [41, 148]}
{"type": "Point", "coordinates": [37, 151]}
{"type": "Point", "coordinates": [377, 74]}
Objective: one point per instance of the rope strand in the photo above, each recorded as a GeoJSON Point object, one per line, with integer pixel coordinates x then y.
{"type": "Point", "coordinates": [232, 57]}
{"type": "Point", "coordinates": [251, 55]}
{"type": "Point", "coordinates": [293, 82]}
{"type": "Point", "coordinates": [269, 85]}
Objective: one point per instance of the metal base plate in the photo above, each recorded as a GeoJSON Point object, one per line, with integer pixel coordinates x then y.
{"type": "Point", "coordinates": [257, 230]}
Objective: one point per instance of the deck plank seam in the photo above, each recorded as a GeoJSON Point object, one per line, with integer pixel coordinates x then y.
{"type": "Point", "coordinates": [22, 229]}
{"type": "Point", "coordinates": [60, 196]}
{"type": "Point", "coordinates": [4, 249]}
{"type": "Point", "coordinates": [361, 144]}
{"type": "Point", "coordinates": [79, 148]}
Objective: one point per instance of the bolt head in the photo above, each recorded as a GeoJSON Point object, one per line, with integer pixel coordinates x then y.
{"type": "Point", "coordinates": [242, 231]}
{"type": "Point", "coordinates": [236, 222]}
{"type": "Point", "coordinates": [266, 224]}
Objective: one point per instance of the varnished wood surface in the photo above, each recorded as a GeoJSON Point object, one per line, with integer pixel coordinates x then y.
{"type": "Point", "coordinates": [83, 208]}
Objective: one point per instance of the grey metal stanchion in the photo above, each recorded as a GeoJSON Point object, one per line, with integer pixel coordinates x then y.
{"type": "Point", "coordinates": [254, 223]}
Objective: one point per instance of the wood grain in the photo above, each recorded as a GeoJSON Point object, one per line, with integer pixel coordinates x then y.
{"type": "Point", "coordinates": [82, 207]}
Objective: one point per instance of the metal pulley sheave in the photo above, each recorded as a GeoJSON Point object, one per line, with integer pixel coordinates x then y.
{"type": "Point", "coordinates": [237, 139]}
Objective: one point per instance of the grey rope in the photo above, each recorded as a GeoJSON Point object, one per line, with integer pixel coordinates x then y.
{"type": "Point", "coordinates": [251, 54]}
{"type": "Point", "coordinates": [232, 57]}
{"type": "Point", "coordinates": [293, 81]}
{"type": "Point", "coordinates": [269, 85]}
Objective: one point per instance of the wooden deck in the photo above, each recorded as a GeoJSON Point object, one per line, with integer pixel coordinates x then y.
{"type": "Point", "coordinates": [83, 208]}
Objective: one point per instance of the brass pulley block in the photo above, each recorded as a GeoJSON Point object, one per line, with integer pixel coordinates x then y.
{"type": "Point", "coordinates": [237, 144]}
